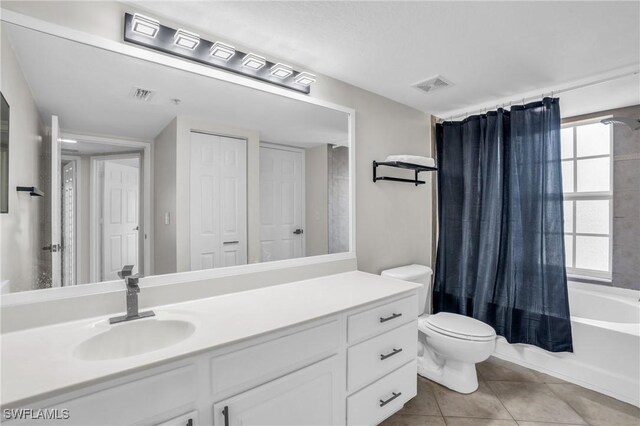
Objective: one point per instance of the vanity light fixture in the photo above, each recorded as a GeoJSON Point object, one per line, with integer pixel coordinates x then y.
{"type": "Point", "coordinates": [305, 78]}
{"type": "Point", "coordinates": [180, 43]}
{"type": "Point", "coordinates": [186, 39]}
{"type": "Point", "coordinates": [144, 25]}
{"type": "Point", "coordinates": [253, 61]}
{"type": "Point", "coordinates": [281, 70]}
{"type": "Point", "coordinates": [222, 51]}
{"type": "Point", "coordinates": [67, 140]}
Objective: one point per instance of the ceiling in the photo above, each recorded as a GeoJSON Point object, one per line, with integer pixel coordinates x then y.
{"type": "Point", "coordinates": [489, 50]}
{"type": "Point", "coordinates": [89, 90]}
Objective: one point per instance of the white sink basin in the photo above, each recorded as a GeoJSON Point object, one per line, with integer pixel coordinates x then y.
{"type": "Point", "coordinates": [134, 338]}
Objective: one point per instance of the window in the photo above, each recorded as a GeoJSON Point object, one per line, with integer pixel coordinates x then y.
{"type": "Point", "coordinates": [587, 185]}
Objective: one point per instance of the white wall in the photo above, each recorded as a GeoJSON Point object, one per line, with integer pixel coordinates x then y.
{"type": "Point", "coordinates": [316, 221]}
{"type": "Point", "coordinates": [20, 229]}
{"type": "Point", "coordinates": [393, 219]}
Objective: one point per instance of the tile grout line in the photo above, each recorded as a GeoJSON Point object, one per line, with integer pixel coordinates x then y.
{"type": "Point", "coordinates": [435, 398]}
{"type": "Point", "coordinates": [500, 400]}
{"type": "Point", "coordinates": [568, 403]}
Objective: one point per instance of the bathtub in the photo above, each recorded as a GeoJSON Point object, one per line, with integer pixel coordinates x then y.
{"type": "Point", "coordinates": [605, 324]}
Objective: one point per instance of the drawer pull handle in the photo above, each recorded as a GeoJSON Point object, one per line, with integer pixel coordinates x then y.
{"type": "Point", "coordinates": [395, 395]}
{"type": "Point", "coordinates": [390, 354]}
{"type": "Point", "coordinates": [394, 316]}
{"type": "Point", "coordinates": [225, 413]}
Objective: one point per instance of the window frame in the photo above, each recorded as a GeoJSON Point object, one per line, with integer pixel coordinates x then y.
{"type": "Point", "coordinates": [588, 196]}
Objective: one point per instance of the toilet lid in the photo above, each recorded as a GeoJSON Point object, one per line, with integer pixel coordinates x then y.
{"type": "Point", "coordinates": [460, 326]}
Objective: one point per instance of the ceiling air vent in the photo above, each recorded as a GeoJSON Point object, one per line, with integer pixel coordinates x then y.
{"type": "Point", "coordinates": [139, 94]}
{"type": "Point", "coordinates": [434, 83]}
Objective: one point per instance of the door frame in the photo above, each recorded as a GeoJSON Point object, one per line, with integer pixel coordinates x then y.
{"type": "Point", "coordinates": [146, 191]}
{"type": "Point", "coordinates": [303, 212]}
{"type": "Point", "coordinates": [78, 202]}
{"type": "Point", "coordinates": [97, 209]}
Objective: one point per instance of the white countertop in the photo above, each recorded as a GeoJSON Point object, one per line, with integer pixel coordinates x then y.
{"type": "Point", "coordinates": [38, 363]}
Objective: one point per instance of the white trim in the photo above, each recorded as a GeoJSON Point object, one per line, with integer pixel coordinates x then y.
{"type": "Point", "coordinates": [97, 236]}
{"type": "Point", "coordinates": [78, 202]}
{"type": "Point", "coordinates": [575, 196]}
{"type": "Point", "coordinates": [147, 191]}
{"type": "Point", "coordinates": [44, 295]}
{"type": "Point", "coordinates": [165, 60]}
{"type": "Point", "coordinates": [303, 211]}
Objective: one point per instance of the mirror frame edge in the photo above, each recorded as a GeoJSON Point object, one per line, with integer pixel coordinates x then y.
{"type": "Point", "coordinates": [57, 293]}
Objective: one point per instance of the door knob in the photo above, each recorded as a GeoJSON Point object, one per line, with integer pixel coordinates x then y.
{"type": "Point", "coordinates": [298, 231]}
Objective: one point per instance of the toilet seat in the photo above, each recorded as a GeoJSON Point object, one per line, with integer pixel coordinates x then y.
{"type": "Point", "coordinates": [457, 326]}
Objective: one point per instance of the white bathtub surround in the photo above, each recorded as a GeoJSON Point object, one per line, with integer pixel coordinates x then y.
{"type": "Point", "coordinates": [235, 350]}
{"type": "Point", "coordinates": [605, 323]}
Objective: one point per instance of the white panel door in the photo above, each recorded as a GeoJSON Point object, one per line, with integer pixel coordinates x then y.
{"type": "Point", "coordinates": [55, 200]}
{"type": "Point", "coordinates": [120, 218]}
{"type": "Point", "coordinates": [310, 396]}
{"type": "Point", "coordinates": [233, 199]}
{"type": "Point", "coordinates": [218, 201]}
{"type": "Point", "coordinates": [69, 197]}
{"type": "Point", "coordinates": [281, 202]}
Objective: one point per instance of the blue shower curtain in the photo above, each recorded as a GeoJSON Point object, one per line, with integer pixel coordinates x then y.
{"type": "Point", "coordinates": [500, 252]}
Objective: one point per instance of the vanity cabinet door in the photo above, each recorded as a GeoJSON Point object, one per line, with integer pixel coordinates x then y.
{"type": "Point", "coordinates": [310, 396]}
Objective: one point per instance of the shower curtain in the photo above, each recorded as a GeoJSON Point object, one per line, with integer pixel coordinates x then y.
{"type": "Point", "coordinates": [500, 254]}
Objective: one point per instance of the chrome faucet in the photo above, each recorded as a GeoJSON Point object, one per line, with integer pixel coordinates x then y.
{"type": "Point", "coordinates": [133, 289]}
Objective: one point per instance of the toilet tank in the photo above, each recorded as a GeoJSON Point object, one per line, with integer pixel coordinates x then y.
{"type": "Point", "coordinates": [419, 274]}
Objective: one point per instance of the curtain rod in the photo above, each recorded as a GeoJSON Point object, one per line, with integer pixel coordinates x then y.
{"type": "Point", "coordinates": [550, 93]}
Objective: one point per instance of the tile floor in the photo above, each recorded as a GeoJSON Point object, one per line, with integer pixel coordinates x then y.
{"type": "Point", "coordinates": [510, 395]}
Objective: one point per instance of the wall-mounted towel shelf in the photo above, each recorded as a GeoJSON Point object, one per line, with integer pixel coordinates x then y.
{"type": "Point", "coordinates": [32, 190]}
{"type": "Point", "coordinates": [400, 165]}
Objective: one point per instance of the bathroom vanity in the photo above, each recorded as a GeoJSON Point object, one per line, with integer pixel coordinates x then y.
{"type": "Point", "coordinates": [339, 349]}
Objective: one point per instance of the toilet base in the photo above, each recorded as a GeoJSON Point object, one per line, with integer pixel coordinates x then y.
{"type": "Point", "coordinates": [455, 375]}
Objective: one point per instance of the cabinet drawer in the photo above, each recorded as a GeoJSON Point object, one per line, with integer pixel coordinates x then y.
{"type": "Point", "coordinates": [381, 399]}
{"type": "Point", "coordinates": [376, 357]}
{"type": "Point", "coordinates": [248, 367]}
{"type": "Point", "coordinates": [382, 318]}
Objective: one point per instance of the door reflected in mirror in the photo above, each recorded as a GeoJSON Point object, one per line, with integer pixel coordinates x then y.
{"type": "Point", "coordinates": [170, 171]}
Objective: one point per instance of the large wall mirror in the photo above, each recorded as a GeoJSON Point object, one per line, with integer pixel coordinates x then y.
{"type": "Point", "coordinates": [167, 170]}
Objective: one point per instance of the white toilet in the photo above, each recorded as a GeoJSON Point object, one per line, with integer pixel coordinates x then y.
{"type": "Point", "coordinates": [450, 345]}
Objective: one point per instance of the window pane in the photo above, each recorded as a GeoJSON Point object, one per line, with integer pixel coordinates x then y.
{"type": "Point", "coordinates": [592, 253]}
{"type": "Point", "coordinates": [566, 142]}
{"type": "Point", "coordinates": [592, 216]}
{"type": "Point", "coordinates": [568, 216]}
{"type": "Point", "coordinates": [593, 139]}
{"type": "Point", "coordinates": [567, 176]}
{"type": "Point", "coordinates": [568, 250]}
{"type": "Point", "coordinates": [593, 175]}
